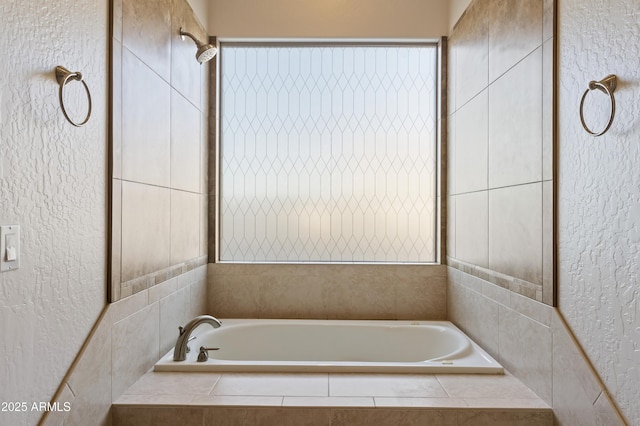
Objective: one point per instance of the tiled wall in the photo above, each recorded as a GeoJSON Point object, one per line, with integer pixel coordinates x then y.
{"type": "Point", "coordinates": [159, 196]}
{"type": "Point", "coordinates": [328, 291]}
{"type": "Point", "coordinates": [532, 341]}
{"type": "Point", "coordinates": [130, 336]}
{"type": "Point", "coordinates": [500, 187]}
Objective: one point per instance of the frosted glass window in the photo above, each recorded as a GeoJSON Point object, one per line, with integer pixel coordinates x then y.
{"type": "Point", "coordinates": [327, 153]}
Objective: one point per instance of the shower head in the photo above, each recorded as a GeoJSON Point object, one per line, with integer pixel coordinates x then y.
{"type": "Point", "coordinates": [205, 52]}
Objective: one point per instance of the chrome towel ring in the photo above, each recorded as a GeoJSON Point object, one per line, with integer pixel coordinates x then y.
{"type": "Point", "coordinates": [608, 86]}
{"type": "Point", "coordinates": [63, 76]}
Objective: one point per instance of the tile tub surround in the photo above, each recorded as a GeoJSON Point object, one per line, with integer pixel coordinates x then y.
{"type": "Point", "coordinates": [160, 144]}
{"type": "Point", "coordinates": [329, 399]}
{"type": "Point", "coordinates": [128, 339]}
{"type": "Point", "coordinates": [532, 341]}
{"type": "Point", "coordinates": [500, 171]}
{"type": "Point", "coordinates": [403, 292]}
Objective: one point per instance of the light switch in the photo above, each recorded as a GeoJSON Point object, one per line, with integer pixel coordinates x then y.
{"type": "Point", "coordinates": [9, 247]}
{"type": "Point", "coordinates": [12, 253]}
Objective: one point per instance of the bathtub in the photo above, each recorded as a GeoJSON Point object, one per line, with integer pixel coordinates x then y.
{"type": "Point", "coordinates": [253, 345]}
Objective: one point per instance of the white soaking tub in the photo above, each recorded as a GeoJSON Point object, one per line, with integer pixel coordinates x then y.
{"type": "Point", "coordinates": [252, 345]}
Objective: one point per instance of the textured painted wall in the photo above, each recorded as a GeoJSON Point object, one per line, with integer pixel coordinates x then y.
{"type": "Point", "coordinates": [599, 192]}
{"type": "Point", "coordinates": [354, 18]}
{"type": "Point", "coordinates": [52, 183]}
{"type": "Point", "coordinates": [201, 10]}
{"type": "Point", "coordinates": [456, 9]}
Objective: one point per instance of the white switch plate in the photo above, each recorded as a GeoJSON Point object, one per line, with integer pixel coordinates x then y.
{"type": "Point", "coordinates": [9, 241]}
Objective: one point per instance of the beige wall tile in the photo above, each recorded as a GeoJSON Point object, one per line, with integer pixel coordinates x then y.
{"type": "Point", "coordinates": [145, 229]}
{"type": "Point", "coordinates": [185, 69]}
{"type": "Point", "coordinates": [498, 386]}
{"type": "Point", "coordinates": [146, 107]}
{"type": "Point", "coordinates": [117, 19]}
{"type": "Point", "coordinates": [472, 228]}
{"type": "Point", "coordinates": [362, 299]}
{"type": "Point", "coordinates": [57, 418]}
{"type": "Point", "coordinates": [185, 144]}
{"type": "Point", "coordinates": [515, 124]}
{"type": "Point", "coordinates": [186, 279]}
{"type": "Point", "coordinates": [163, 289]}
{"type": "Point", "coordinates": [251, 401]}
{"type": "Point", "coordinates": [123, 308]}
{"type": "Point", "coordinates": [272, 384]}
{"type": "Point", "coordinates": [547, 242]}
{"type": "Point", "coordinates": [292, 297]}
{"type": "Point", "coordinates": [390, 385]}
{"type": "Point", "coordinates": [519, 148]}
{"type": "Point", "coordinates": [272, 417]}
{"type": "Point", "coordinates": [526, 350]}
{"type": "Point", "coordinates": [129, 400]}
{"type": "Point", "coordinates": [223, 416]}
{"type": "Point", "coordinates": [172, 416]}
{"type": "Point", "coordinates": [515, 231]}
{"type": "Point", "coordinates": [204, 225]}
{"type": "Point", "coordinates": [204, 154]}
{"type": "Point", "coordinates": [146, 31]}
{"type": "Point", "coordinates": [472, 135]}
{"type": "Point", "coordinates": [116, 239]}
{"type": "Point", "coordinates": [545, 358]}
{"type": "Point", "coordinates": [505, 418]}
{"type": "Point", "coordinates": [168, 383]}
{"type": "Point", "coordinates": [185, 226]}
{"type": "Point", "coordinates": [451, 227]}
{"type": "Point", "coordinates": [421, 300]}
{"type": "Point", "coordinates": [90, 380]}
{"type": "Point", "coordinates": [327, 401]}
{"type": "Point", "coordinates": [575, 388]}
{"type": "Point", "coordinates": [392, 417]}
{"type": "Point", "coordinates": [235, 296]}
{"type": "Point", "coordinates": [547, 110]}
{"type": "Point", "coordinates": [452, 75]}
{"type": "Point", "coordinates": [174, 310]}
{"type": "Point", "coordinates": [116, 117]}
{"type": "Point", "coordinates": [451, 155]}
{"type": "Point", "coordinates": [515, 30]}
{"type": "Point", "coordinates": [472, 52]}
{"type": "Point", "coordinates": [496, 293]}
{"type": "Point", "coordinates": [537, 311]}
{"type": "Point", "coordinates": [502, 403]}
{"type": "Point", "coordinates": [131, 416]}
{"type": "Point", "coordinates": [328, 291]}
{"type": "Point", "coordinates": [606, 412]}
{"type": "Point", "coordinates": [205, 74]}
{"type": "Point", "coordinates": [198, 299]}
{"type": "Point", "coordinates": [548, 12]}
{"type": "Point", "coordinates": [161, 131]}
{"type": "Point", "coordinates": [382, 401]}
{"type": "Point", "coordinates": [135, 342]}
{"type": "Point", "coordinates": [476, 315]}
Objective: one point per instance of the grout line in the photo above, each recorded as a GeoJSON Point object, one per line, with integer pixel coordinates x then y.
{"type": "Point", "coordinates": [214, 385]}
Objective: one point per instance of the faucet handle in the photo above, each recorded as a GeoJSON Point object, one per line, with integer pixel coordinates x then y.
{"type": "Point", "coordinates": [204, 353]}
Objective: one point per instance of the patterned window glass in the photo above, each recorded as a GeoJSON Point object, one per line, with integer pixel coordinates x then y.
{"type": "Point", "coordinates": [327, 153]}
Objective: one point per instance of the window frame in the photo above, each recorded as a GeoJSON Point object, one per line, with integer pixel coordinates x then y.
{"type": "Point", "coordinates": [440, 113]}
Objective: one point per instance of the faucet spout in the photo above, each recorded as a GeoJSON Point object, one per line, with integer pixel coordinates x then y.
{"type": "Point", "coordinates": [180, 350]}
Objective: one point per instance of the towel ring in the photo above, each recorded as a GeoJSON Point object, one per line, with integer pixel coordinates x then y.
{"type": "Point", "coordinates": [63, 76]}
{"type": "Point", "coordinates": [608, 86]}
